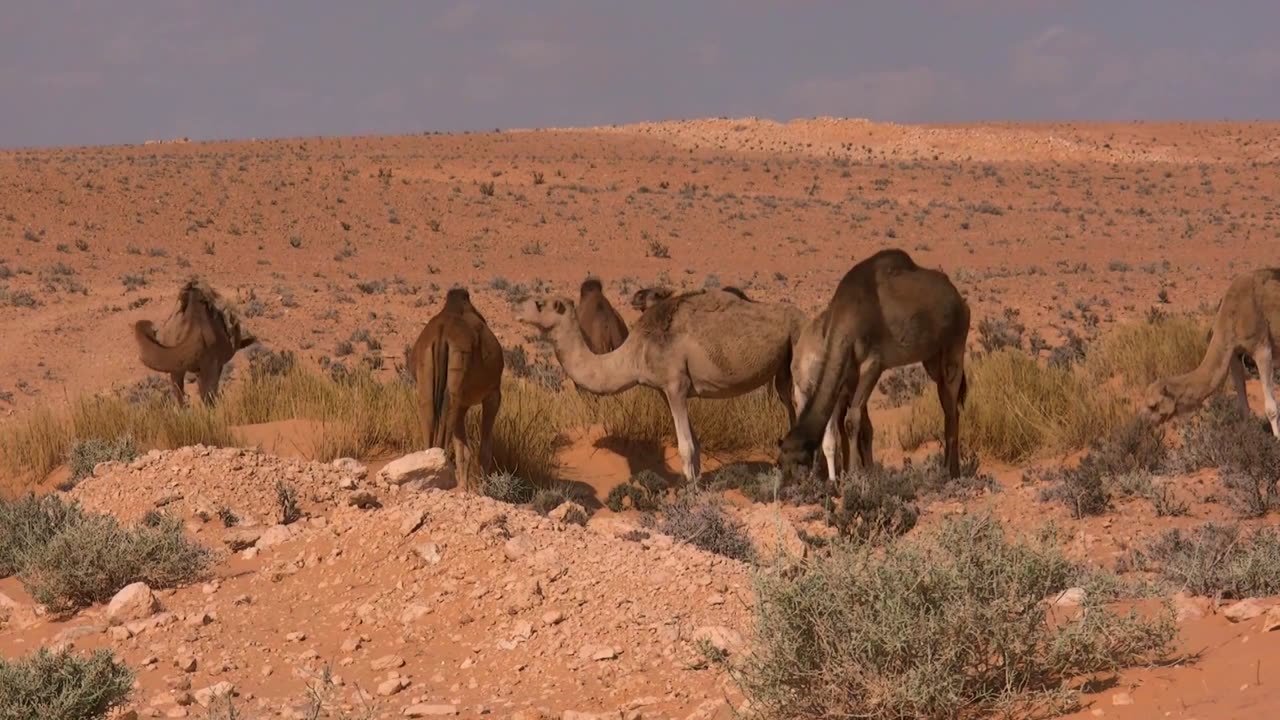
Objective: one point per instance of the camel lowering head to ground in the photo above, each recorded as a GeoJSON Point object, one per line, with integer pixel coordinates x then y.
{"type": "Point", "coordinates": [806, 367]}
{"type": "Point", "coordinates": [1245, 322]}
{"type": "Point", "coordinates": [602, 326]}
{"type": "Point", "coordinates": [708, 344]}
{"type": "Point", "coordinates": [456, 363]}
{"type": "Point", "coordinates": [645, 298]}
{"type": "Point", "coordinates": [886, 312]}
{"type": "Point", "coordinates": [200, 337]}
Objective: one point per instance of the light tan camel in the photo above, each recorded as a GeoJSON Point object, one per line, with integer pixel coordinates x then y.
{"type": "Point", "coordinates": [806, 368]}
{"type": "Point", "coordinates": [200, 337]}
{"type": "Point", "coordinates": [1244, 324]}
{"type": "Point", "coordinates": [456, 363]}
{"type": "Point", "coordinates": [709, 344]}
{"type": "Point", "coordinates": [886, 312]}
{"type": "Point", "coordinates": [645, 298]}
{"type": "Point", "coordinates": [602, 326]}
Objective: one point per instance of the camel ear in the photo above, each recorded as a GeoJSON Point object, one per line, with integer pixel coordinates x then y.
{"type": "Point", "coordinates": [559, 307]}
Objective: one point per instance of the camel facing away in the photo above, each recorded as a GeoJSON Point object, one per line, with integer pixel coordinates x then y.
{"type": "Point", "coordinates": [456, 363]}
{"type": "Point", "coordinates": [887, 312]}
{"type": "Point", "coordinates": [200, 337]}
{"type": "Point", "coordinates": [602, 326]}
{"type": "Point", "coordinates": [1245, 323]}
{"type": "Point", "coordinates": [710, 344]}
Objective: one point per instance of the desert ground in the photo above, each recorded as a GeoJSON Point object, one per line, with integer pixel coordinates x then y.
{"type": "Point", "coordinates": [387, 601]}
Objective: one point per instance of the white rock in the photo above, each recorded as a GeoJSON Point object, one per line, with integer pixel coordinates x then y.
{"type": "Point", "coordinates": [424, 710]}
{"type": "Point", "coordinates": [351, 467]}
{"type": "Point", "coordinates": [1071, 597]}
{"type": "Point", "coordinates": [132, 602]}
{"type": "Point", "coordinates": [429, 552]}
{"type": "Point", "coordinates": [1246, 609]}
{"type": "Point", "coordinates": [518, 547]}
{"type": "Point", "coordinates": [426, 469]}
{"type": "Point", "coordinates": [387, 662]}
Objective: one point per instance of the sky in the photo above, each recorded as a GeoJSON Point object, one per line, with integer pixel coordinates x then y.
{"type": "Point", "coordinates": [84, 72]}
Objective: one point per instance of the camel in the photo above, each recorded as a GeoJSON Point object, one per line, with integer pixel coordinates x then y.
{"type": "Point", "coordinates": [645, 298]}
{"type": "Point", "coordinates": [1243, 324]}
{"type": "Point", "coordinates": [887, 312]}
{"type": "Point", "coordinates": [456, 363]}
{"type": "Point", "coordinates": [602, 326]}
{"type": "Point", "coordinates": [806, 366]}
{"type": "Point", "coordinates": [709, 344]}
{"type": "Point", "coordinates": [200, 337]}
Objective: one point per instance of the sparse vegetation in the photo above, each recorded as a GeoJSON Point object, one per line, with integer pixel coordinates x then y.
{"type": "Point", "coordinates": [912, 630]}
{"type": "Point", "coordinates": [700, 519]}
{"type": "Point", "coordinates": [1242, 446]}
{"type": "Point", "coordinates": [85, 455]}
{"type": "Point", "coordinates": [1214, 560]}
{"type": "Point", "coordinates": [63, 685]}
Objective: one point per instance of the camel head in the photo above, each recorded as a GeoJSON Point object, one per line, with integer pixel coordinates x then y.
{"type": "Point", "coordinates": [547, 313]}
{"type": "Point", "coordinates": [645, 298]}
{"type": "Point", "coordinates": [795, 456]}
{"type": "Point", "coordinates": [1160, 402]}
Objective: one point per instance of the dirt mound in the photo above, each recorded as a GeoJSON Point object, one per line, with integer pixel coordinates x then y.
{"type": "Point", "coordinates": [435, 598]}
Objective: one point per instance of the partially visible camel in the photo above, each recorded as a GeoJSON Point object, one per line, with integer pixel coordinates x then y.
{"type": "Point", "coordinates": [602, 326]}
{"type": "Point", "coordinates": [456, 363]}
{"type": "Point", "coordinates": [645, 298]}
{"type": "Point", "coordinates": [200, 337]}
{"type": "Point", "coordinates": [709, 344]}
{"type": "Point", "coordinates": [886, 312]}
{"type": "Point", "coordinates": [1245, 322]}
{"type": "Point", "coordinates": [806, 367]}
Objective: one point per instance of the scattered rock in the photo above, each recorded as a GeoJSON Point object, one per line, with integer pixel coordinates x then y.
{"type": "Point", "coordinates": [423, 710]}
{"type": "Point", "coordinates": [1187, 607]}
{"type": "Point", "coordinates": [597, 652]}
{"type": "Point", "coordinates": [167, 497]}
{"type": "Point", "coordinates": [569, 512]}
{"type": "Point", "coordinates": [390, 687]}
{"type": "Point", "coordinates": [726, 640]}
{"type": "Point", "coordinates": [1246, 609]}
{"type": "Point", "coordinates": [352, 467]}
{"type": "Point", "coordinates": [387, 662]}
{"type": "Point", "coordinates": [426, 469]}
{"type": "Point", "coordinates": [518, 547]}
{"type": "Point", "coordinates": [132, 602]}
{"type": "Point", "coordinates": [429, 552]}
{"type": "Point", "coordinates": [1122, 698]}
{"type": "Point", "coordinates": [241, 538]}
{"type": "Point", "coordinates": [205, 696]}
{"type": "Point", "coordinates": [364, 500]}
{"type": "Point", "coordinates": [274, 535]}
{"type": "Point", "coordinates": [1271, 621]}
{"type": "Point", "coordinates": [413, 519]}
{"type": "Point", "coordinates": [1071, 597]}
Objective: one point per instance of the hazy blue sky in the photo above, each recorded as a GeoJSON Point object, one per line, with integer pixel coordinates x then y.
{"type": "Point", "coordinates": [106, 71]}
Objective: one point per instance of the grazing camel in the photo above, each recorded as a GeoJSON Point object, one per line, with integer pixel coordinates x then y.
{"type": "Point", "coordinates": [886, 312]}
{"type": "Point", "coordinates": [806, 367]}
{"type": "Point", "coordinates": [1249, 311]}
{"type": "Point", "coordinates": [645, 298]}
{"type": "Point", "coordinates": [200, 337]}
{"type": "Point", "coordinates": [709, 344]}
{"type": "Point", "coordinates": [456, 363]}
{"type": "Point", "coordinates": [602, 326]}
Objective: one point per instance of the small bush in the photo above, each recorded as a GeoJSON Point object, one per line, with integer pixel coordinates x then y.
{"type": "Point", "coordinates": [61, 685]}
{"type": "Point", "coordinates": [28, 524]}
{"type": "Point", "coordinates": [1136, 448]}
{"type": "Point", "coordinates": [901, 385]}
{"type": "Point", "coordinates": [1002, 332]}
{"type": "Point", "coordinates": [1215, 560]}
{"type": "Point", "coordinates": [84, 455]}
{"type": "Point", "coordinates": [507, 487]}
{"type": "Point", "coordinates": [951, 624]}
{"type": "Point", "coordinates": [1241, 446]}
{"type": "Point", "coordinates": [701, 520]}
{"type": "Point", "coordinates": [287, 500]}
{"type": "Point", "coordinates": [643, 491]}
{"type": "Point", "coordinates": [89, 560]}
{"type": "Point", "coordinates": [875, 505]}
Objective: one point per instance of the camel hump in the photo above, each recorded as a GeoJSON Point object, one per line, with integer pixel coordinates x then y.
{"type": "Point", "coordinates": [591, 285]}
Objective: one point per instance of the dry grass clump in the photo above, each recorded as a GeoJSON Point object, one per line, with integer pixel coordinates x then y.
{"type": "Point", "coordinates": [754, 420]}
{"type": "Point", "coordinates": [1135, 450]}
{"type": "Point", "coordinates": [1139, 353]}
{"type": "Point", "coordinates": [85, 455]}
{"type": "Point", "coordinates": [62, 685]}
{"type": "Point", "coordinates": [700, 519]}
{"type": "Point", "coordinates": [1215, 560]}
{"type": "Point", "coordinates": [1017, 408]}
{"type": "Point", "coordinates": [945, 625]}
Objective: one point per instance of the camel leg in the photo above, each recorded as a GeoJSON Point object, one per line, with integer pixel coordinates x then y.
{"type": "Point", "coordinates": [947, 372]}
{"type": "Point", "coordinates": [677, 400]}
{"type": "Point", "coordinates": [489, 414]}
{"type": "Point", "coordinates": [1262, 357]}
{"type": "Point", "coordinates": [461, 453]}
{"type": "Point", "coordinates": [782, 383]}
{"type": "Point", "coordinates": [179, 380]}
{"type": "Point", "coordinates": [830, 446]}
{"type": "Point", "coordinates": [425, 413]}
{"type": "Point", "coordinates": [865, 438]}
{"type": "Point", "coordinates": [868, 375]}
{"type": "Point", "coordinates": [1237, 379]}
{"type": "Point", "coordinates": [825, 455]}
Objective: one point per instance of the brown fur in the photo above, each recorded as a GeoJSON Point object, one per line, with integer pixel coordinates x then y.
{"type": "Point", "coordinates": [602, 326]}
{"type": "Point", "coordinates": [456, 363]}
{"type": "Point", "coordinates": [1246, 321]}
{"type": "Point", "coordinates": [701, 344]}
{"type": "Point", "coordinates": [200, 337]}
{"type": "Point", "coordinates": [886, 312]}
{"type": "Point", "coordinates": [645, 298]}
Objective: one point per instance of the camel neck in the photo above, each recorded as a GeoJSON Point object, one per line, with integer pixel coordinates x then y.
{"type": "Point", "coordinates": [600, 374]}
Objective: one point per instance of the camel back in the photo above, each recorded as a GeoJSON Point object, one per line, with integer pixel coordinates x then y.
{"type": "Point", "coordinates": [220, 308]}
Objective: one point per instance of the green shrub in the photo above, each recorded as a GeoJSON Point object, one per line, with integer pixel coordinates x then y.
{"type": "Point", "coordinates": [875, 505]}
{"type": "Point", "coordinates": [643, 491]}
{"type": "Point", "coordinates": [63, 686]}
{"type": "Point", "coordinates": [508, 487]}
{"type": "Point", "coordinates": [952, 624]}
{"type": "Point", "coordinates": [89, 560]}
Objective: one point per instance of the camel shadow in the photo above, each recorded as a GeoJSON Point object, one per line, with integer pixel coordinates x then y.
{"type": "Point", "coordinates": [640, 455]}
